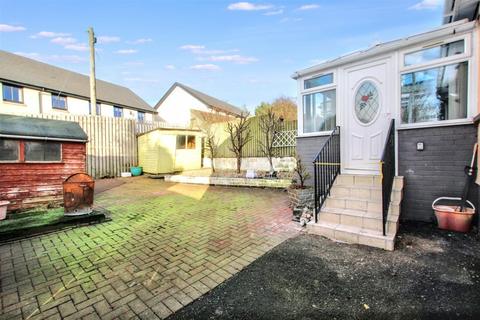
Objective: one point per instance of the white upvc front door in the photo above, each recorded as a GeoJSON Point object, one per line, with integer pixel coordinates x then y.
{"type": "Point", "coordinates": [367, 116]}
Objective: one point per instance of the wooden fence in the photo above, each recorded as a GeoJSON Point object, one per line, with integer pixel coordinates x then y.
{"type": "Point", "coordinates": [284, 145]}
{"type": "Point", "coordinates": [112, 142]}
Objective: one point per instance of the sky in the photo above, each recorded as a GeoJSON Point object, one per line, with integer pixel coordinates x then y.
{"type": "Point", "coordinates": [240, 52]}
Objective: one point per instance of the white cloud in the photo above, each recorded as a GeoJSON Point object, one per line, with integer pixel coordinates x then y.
{"type": "Point", "coordinates": [53, 57]}
{"type": "Point", "coordinates": [192, 47]}
{"type": "Point", "coordinates": [10, 28]}
{"type": "Point", "coordinates": [170, 67]}
{"type": "Point", "coordinates": [140, 41]}
{"type": "Point", "coordinates": [273, 13]}
{"type": "Point", "coordinates": [126, 51]}
{"type": "Point", "coordinates": [63, 40]}
{"type": "Point", "coordinates": [309, 7]}
{"type": "Point", "coordinates": [107, 39]}
{"type": "Point", "coordinates": [427, 5]}
{"type": "Point", "coordinates": [290, 20]}
{"type": "Point", "coordinates": [209, 67]}
{"type": "Point", "coordinates": [232, 58]}
{"type": "Point", "coordinates": [49, 34]}
{"type": "Point", "coordinates": [77, 47]}
{"type": "Point", "coordinates": [248, 6]}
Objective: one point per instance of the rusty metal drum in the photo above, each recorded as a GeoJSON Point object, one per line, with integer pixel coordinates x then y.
{"type": "Point", "coordinates": [78, 194]}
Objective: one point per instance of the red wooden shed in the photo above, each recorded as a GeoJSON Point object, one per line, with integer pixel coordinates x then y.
{"type": "Point", "coordinates": [36, 156]}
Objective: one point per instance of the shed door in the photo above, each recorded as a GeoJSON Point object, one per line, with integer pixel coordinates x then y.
{"type": "Point", "coordinates": [367, 117]}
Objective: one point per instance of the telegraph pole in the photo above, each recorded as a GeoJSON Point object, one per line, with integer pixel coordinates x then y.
{"type": "Point", "coordinates": [93, 87]}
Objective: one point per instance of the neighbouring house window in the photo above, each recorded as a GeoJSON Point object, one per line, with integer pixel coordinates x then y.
{"type": "Point", "coordinates": [185, 142]}
{"type": "Point", "coordinates": [319, 111]}
{"type": "Point", "coordinates": [318, 81]}
{"type": "Point", "coordinates": [98, 109]}
{"type": "Point", "coordinates": [12, 93]}
{"type": "Point", "coordinates": [59, 102]}
{"type": "Point", "coordinates": [9, 150]}
{"type": "Point", "coordinates": [43, 151]}
{"type": "Point", "coordinates": [435, 94]}
{"type": "Point", "coordinates": [117, 112]}
{"type": "Point", "coordinates": [190, 142]}
{"type": "Point", "coordinates": [434, 53]}
{"type": "Point", "coordinates": [141, 116]}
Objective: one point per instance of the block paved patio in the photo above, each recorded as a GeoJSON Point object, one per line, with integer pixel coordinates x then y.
{"type": "Point", "coordinates": [167, 245]}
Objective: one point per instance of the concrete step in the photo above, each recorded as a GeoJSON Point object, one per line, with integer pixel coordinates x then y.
{"type": "Point", "coordinates": [373, 193]}
{"type": "Point", "coordinates": [365, 180]}
{"type": "Point", "coordinates": [357, 218]}
{"type": "Point", "coordinates": [360, 204]}
{"type": "Point", "coordinates": [353, 235]}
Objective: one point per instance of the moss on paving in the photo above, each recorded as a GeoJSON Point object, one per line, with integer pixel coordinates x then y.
{"type": "Point", "coordinates": [30, 219]}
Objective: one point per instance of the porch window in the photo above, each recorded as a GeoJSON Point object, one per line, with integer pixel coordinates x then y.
{"type": "Point", "coordinates": [43, 151]}
{"type": "Point", "coordinates": [435, 94]}
{"type": "Point", "coordinates": [434, 53]}
{"type": "Point", "coordinates": [59, 102]}
{"type": "Point", "coordinates": [322, 80]}
{"type": "Point", "coordinates": [9, 150]}
{"type": "Point", "coordinates": [319, 111]}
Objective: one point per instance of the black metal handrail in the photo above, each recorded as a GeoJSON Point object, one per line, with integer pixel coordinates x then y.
{"type": "Point", "coordinates": [387, 165]}
{"type": "Point", "coordinates": [326, 167]}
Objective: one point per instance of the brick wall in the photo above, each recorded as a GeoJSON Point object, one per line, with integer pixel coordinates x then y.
{"type": "Point", "coordinates": [307, 149]}
{"type": "Point", "coordinates": [437, 171]}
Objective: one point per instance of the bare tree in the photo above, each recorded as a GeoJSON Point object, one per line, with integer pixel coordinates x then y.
{"type": "Point", "coordinates": [239, 133]}
{"type": "Point", "coordinates": [207, 123]}
{"type": "Point", "coordinates": [269, 124]}
{"type": "Point", "coordinates": [302, 172]}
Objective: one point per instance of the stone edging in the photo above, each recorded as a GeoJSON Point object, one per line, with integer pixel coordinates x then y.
{"type": "Point", "coordinates": [236, 182]}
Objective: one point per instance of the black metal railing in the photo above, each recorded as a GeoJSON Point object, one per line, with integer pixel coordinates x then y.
{"type": "Point", "coordinates": [326, 167]}
{"type": "Point", "coordinates": [387, 170]}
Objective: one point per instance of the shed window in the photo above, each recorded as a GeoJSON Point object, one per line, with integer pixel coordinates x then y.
{"type": "Point", "coordinates": [59, 102]}
{"type": "Point", "coordinates": [43, 151]}
{"type": "Point", "coordinates": [12, 93]}
{"type": "Point", "coordinates": [9, 150]}
{"type": "Point", "coordinates": [185, 142]}
{"type": "Point", "coordinates": [434, 53]}
{"type": "Point", "coordinates": [318, 81]}
{"type": "Point", "coordinates": [117, 112]}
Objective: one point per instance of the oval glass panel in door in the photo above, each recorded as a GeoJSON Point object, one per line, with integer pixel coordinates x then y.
{"type": "Point", "coordinates": [366, 102]}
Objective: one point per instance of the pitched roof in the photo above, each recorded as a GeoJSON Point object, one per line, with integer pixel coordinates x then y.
{"type": "Point", "coordinates": [210, 101]}
{"type": "Point", "coordinates": [26, 71]}
{"type": "Point", "coordinates": [40, 129]}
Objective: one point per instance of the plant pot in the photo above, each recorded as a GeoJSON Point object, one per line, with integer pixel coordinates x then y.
{"type": "Point", "coordinates": [3, 209]}
{"type": "Point", "coordinates": [450, 218]}
{"type": "Point", "coordinates": [136, 171]}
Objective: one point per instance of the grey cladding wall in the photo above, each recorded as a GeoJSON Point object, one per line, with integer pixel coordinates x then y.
{"type": "Point", "coordinates": [437, 171]}
{"type": "Point", "coordinates": [307, 149]}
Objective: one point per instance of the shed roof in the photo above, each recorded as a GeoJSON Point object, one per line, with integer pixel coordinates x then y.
{"type": "Point", "coordinates": [40, 129]}
{"type": "Point", "coordinates": [210, 101]}
{"type": "Point", "coordinates": [18, 69]}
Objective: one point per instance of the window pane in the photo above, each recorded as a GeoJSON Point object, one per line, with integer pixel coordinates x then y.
{"type": "Point", "coordinates": [98, 109]}
{"type": "Point", "coordinates": [319, 111]}
{"type": "Point", "coordinates": [42, 151]}
{"type": "Point", "coordinates": [191, 142]}
{"type": "Point", "coordinates": [8, 150]}
{"type": "Point", "coordinates": [435, 94]}
{"type": "Point", "coordinates": [12, 93]}
{"type": "Point", "coordinates": [141, 116]}
{"type": "Point", "coordinates": [318, 81]}
{"type": "Point", "coordinates": [117, 112]}
{"type": "Point", "coordinates": [59, 102]}
{"type": "Point", "coordinates": [181, 142]}
{"type": "Point", "coordinates": [445, 50]}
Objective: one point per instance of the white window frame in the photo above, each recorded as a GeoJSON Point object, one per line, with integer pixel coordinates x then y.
{"type": "Point", "coordinates": [467, 56]}
{"type": "Point", "coordinates": [303, 92]}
